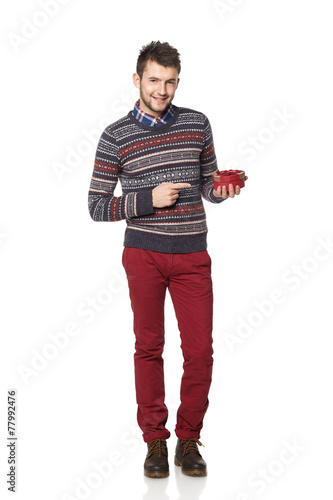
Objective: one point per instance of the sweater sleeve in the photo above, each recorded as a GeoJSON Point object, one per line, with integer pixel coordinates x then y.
{"type": "Point", "coordinates": [208, 165]}
{"type": "Point", "coordinates": [103, 205]}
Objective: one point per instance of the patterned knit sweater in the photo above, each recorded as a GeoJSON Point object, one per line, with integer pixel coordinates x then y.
{"type": "Point", "coordinates": [141, 157]}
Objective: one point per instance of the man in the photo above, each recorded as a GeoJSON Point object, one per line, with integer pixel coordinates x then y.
{"type": "Point", "coordinates": [164, 158]}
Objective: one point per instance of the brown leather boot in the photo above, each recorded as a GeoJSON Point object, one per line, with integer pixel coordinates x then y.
{"type": "Point", "coordinates": [156, 463]}
{"type": "Point", "coordinates": [188, 457]}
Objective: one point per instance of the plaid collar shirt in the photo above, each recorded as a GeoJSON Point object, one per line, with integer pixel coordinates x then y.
{"type": "Point", "coordinates": [153, 121]}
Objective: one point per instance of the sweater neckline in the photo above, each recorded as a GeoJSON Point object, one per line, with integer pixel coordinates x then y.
{"type": "Point", "coordinates": [158, 128]}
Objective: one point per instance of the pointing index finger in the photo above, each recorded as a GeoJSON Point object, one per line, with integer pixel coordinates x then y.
{"type": "Point", "coordinates": [178, 185]}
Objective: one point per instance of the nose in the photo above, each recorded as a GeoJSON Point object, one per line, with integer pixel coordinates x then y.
{"type": "Point", "coordinates": [161, 88]}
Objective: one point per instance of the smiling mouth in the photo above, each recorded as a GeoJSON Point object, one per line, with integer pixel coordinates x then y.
{"type": "Point", "coordinates": [160, 99]}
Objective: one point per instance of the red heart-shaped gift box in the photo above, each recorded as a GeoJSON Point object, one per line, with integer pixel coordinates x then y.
{"type": "Point", "coordinates": [226, 177]}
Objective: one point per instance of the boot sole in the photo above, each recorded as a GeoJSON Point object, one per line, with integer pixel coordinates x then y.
{"type": "Point", "coordinates": [156, 474]}
{"type": "Point", "coordinates": [190, 472]}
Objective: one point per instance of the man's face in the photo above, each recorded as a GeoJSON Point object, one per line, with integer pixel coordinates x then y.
{"type": "Point", "coordinates": [157, 87]}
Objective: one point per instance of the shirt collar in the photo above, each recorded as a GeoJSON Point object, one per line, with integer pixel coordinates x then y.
{"type": "Point", "coordinates": [151, 120]}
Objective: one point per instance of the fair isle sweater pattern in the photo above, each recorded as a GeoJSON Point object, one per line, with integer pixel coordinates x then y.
{"type": "Point", "coordinates": [141, 157]}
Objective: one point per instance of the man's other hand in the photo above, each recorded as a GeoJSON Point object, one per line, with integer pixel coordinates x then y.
{"type": "Point", "coordinates": [221, 192]}
{"type": "Point", "coordinates": [166, 193]}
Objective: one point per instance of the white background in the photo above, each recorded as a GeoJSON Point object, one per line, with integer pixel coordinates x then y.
{"type": "Point", "coordinates": [66, 75]}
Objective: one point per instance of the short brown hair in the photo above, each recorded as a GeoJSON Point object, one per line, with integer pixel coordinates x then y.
{"type": "Point", "coordinates": [162, 53]}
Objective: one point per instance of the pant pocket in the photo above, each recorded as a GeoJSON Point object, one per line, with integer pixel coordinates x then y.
{"type": "Point", "coordinates": [125, 256]}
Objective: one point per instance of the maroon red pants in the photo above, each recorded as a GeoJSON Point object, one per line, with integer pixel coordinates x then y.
{"type": "Point", "coordinates": [188, 278]}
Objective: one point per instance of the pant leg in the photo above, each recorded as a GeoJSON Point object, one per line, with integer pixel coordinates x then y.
{"type": "Point", "coordinates": [147, 288]}
{"type": "Point", "coordinates": [192, 296]}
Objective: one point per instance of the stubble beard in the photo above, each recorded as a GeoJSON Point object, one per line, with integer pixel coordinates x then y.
{"type": "Point", "coordinates": [150, 105]}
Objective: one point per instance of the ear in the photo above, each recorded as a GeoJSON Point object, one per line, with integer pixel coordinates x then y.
{"type": "Point", "coordinates": [177, 83]}
{"type": "Point", "coordinates": [136, 80]}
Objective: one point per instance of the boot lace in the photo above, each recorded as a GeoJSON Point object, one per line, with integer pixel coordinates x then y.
{"type": "Point", "coordinates": [191, 445]}
{"type": "Point", "coordinates": [157, 446]}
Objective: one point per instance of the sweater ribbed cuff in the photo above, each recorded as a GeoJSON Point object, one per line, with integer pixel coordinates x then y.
{"type": "Point", "coordinates": [144, 202]}
{"type": "Point", "coordinates": [216, 199]}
